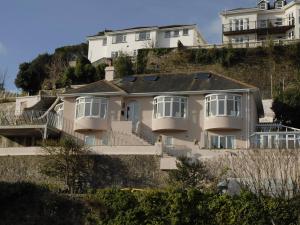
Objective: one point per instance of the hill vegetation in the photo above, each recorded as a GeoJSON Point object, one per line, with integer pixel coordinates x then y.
{"type": "Point", "coordinates": [28, 204]}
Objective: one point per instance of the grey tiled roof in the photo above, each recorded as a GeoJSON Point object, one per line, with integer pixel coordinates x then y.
{"type": "Point", "coordinates": [96, 87]}
{"type": "Point", "coordinates": [178, 82]}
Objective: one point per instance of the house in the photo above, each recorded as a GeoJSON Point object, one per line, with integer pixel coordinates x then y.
{"type": "Point", "coordinates": [109, 44]}
{"type": "Point", "coordinates": [250, 27]}
{"type": "Point", "coordinates": [197, 114]}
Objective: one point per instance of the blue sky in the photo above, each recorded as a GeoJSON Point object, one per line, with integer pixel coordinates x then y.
{"type": "Point", "coordinates": [32, 27]}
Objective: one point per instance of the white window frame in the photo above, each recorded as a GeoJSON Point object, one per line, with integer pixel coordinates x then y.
{"type": "Point", "coordinates": [177, 33]}
{"type": "Point", "coordinates": [115, 39]}
{"type": "Point", "coordinates": [92, 137]}
{"type": "Point", "coordinates": [168, 34]}
{"type": "Point", "coordinates": [102, 102]}
{"type": "Point", "coordinates": [277, 5]}
{"type": "Point", "coordinates": [226, 141]}
{"type": "Point", "coordinates": [237, 104]}
{"type": "Point", "coordinates": [139, 38]}
{"type": "Point", "coordinates": [185, 32]}
{"type": "Point", "coordinates": [114, 54]}
{"type": "Point", "coordinates": [162, 100]}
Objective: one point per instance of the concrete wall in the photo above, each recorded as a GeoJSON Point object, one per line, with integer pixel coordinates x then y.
{"type": "Point", "coordinates": [26, 102]}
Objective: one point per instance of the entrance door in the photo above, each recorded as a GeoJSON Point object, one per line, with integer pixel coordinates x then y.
{"type": "Point", "coordinates": [132, 113]}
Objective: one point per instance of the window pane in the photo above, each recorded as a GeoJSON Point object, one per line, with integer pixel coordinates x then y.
{"type": "Point", "coordinates": [89, 140]}
{"type": "Point", "coordinates": [103, 111]}
{"type": "Point", "coordinates": [176, 109]}
{"type": "Point", "coordinates": [214, 142]}
{"type": "Point", "coordinates": [87, 109]}
{"type": "Point", "coordinates": [223, 142]}
{"type": "Point", "coordinates": [230, 140]}
{"type": "Point", "coordinates": [213, 108]}
{"type": "Point", "coordinates": [221, 107]}
{"type": "Point", "coordinates": [96, 108]}
{"type": "Point", "coordinates": [183, 109]}
{"type": "Point", "coordinates": [155, 110]}
{"type": "Point", "coordinates": [230, 108]}
{"type": "Point", "coordinates": [207, 108]}
{"type": "Point", "coordinates": [80, 110]}
{"type": "Point", "coordinates": [167, 109]}
{"type": "Point", "coordinates": [160, 109]}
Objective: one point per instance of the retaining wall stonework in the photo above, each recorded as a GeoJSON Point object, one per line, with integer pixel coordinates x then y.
{"type": "Point", "coordinates": [119, 171]}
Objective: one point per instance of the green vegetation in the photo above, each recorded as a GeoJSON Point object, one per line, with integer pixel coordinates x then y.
{"type": "Point", "coordinates": [286, 106]}
{"type": "Point", "coordinates": [191, 173]}
{"type": "Point", "coordinates": [123, 66]}
{"type": "Point", "coordinates": [256, 66]}
{"type": "Point", "coordinates": [26, 204]}
{"type": "Point", "coordinates": [54, 71]}
{"type": "Point", "coordinates": [68, 161]}
{"type": "Point", "coordinates": [83, 73]}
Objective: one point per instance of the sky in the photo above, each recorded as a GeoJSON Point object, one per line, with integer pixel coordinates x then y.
{"type": "Point", "coordinates": [32, 27]}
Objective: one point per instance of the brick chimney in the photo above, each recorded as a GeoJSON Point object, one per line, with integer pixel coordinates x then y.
{"type": "Point", "coordinates": [109, 73]}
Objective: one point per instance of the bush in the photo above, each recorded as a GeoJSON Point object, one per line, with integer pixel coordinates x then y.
{"type": "Point", "coordinates": [123, 66]}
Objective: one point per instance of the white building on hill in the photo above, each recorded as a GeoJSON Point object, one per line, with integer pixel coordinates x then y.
{"type": "Point", "coordinates": [109, 44]}
{"type": "Point", "coordinates": [278, 20]}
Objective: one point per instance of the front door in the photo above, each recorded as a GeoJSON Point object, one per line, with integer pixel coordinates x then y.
{"type": "Point", "coordinates": [132, 113]}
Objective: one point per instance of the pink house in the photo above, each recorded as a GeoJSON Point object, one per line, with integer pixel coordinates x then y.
{"type": "Point", "coordinates": [193, 114]}
{"type": "Point", "coordinates": [188, 112]}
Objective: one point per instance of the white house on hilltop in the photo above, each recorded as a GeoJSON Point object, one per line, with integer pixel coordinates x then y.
{"type": "Point", "coordinates": [278, 20]}
{"type": "Point", "coordinates": [109, 44]}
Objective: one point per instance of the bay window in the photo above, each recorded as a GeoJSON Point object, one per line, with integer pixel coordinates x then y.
{"type": "Point", "coordinates": [223, 105]}
{"type": "Point", "coordinates": [222, 142]}
{"type": "Point", "coordinates": [170, 106]}
{"type": "Point", "coordinates": [91, 107]}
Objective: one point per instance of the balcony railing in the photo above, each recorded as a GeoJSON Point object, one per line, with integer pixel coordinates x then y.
{"type": "Point", "coordinates": [11, 118]}
{"type": "Point", "coordinates": [275, 136]}
{"type": "Point", "coordinates": [261, 27]}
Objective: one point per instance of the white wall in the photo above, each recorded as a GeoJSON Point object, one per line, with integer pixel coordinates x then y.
{"type": "Point", "coordinates": [157, 39]}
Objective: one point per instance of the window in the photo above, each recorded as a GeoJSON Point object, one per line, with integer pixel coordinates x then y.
{"type": "Point", "coordinates": [142, 36]}
{"type": "Point", "coordinates": [91, 107]}
{"type": "Point", "coordinates": [90, 140]}
{"type": "Point", "coordinates": [279, 4]}
{"type": "Point", "coordinates": [230, 25]}
{"type": "Point", "coordinates": [185, 32]}
{"type": "Point", "coordinates": [114, 54]}
{"type": "Point", "coordinates": [134, 52]}
{"type": "Point", "coordinates": [241, 24]}
{"type": "Point", "coordinates": [170, 106]}
{"type": "Point", "coordinates": [176, 33]}
{"type": "Point", "coordinates": [291, 19]}
{"type": "Point", "coordinates": [223, 105]}
{"type": "Point", "coordinates": [263, 5]}
{"type": "Point", "coordinates": [247, 24]}
{"type": "Point", "coordinates": [263, 24]}
{"type": "Point", "coordinates": [119, 38]}
{"type": "Point", "coordinates": [104, 42]}
{"type": "Point", "coordinates": [167, 34]}
{"type": "Point", "coordinates": [222, 142]}
{"type": "Point", "coordinates": [168, 141]}
{"type": "Point", "coordinates": [59, 109]}
{"type": "Point", "coordinates": [278, 22]}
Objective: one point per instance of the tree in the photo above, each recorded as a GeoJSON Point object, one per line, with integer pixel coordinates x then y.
{"type": "Point", "coordinates": [123, 66]}
{"type": "Point", "coordinates": [83, 73]}
{"type": "Point", "coordinates": [55, 70]}
{"type": "Point", "coordinates": [286, 106]}
{"type": "Point", "coordinates": [68, 161]}
{"type": "Point", "coordinates": [31, 75]}
{"type": "Point", "coordinates": [266, 172]}
{"type": "Point", "coordinates": [190, 173]}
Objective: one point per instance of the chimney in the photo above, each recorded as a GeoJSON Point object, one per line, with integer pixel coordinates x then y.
{"type": "Point", "coordinates": [109, 73]}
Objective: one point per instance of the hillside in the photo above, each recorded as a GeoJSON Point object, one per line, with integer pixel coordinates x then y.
{"type": "Point", "coordinates": [254, 66]}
